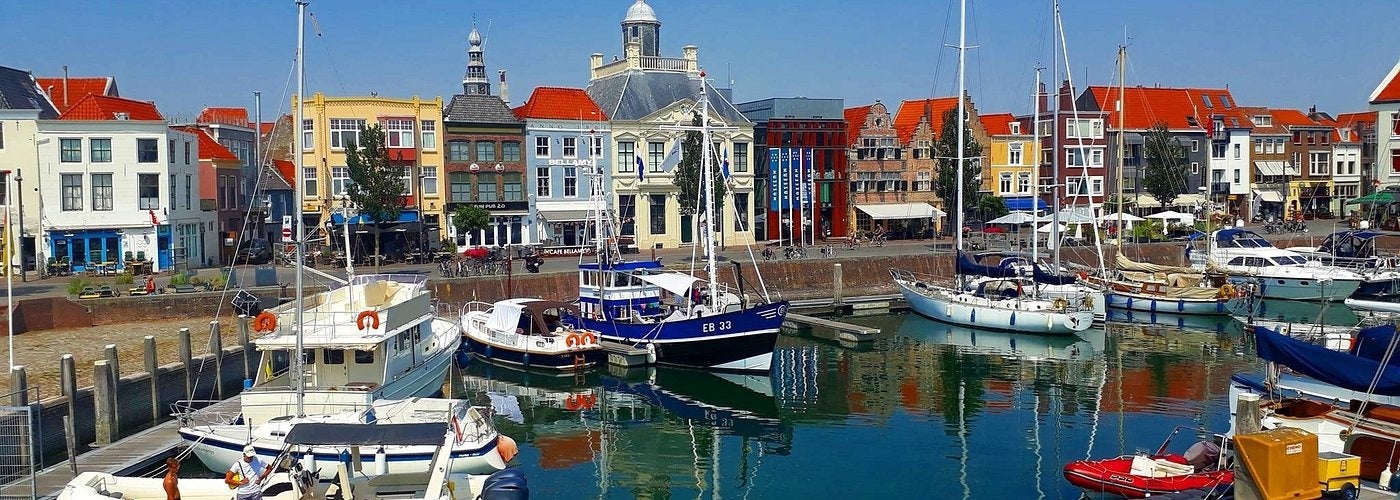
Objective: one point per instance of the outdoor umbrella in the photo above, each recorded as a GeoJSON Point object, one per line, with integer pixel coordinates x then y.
{"type": "Point", "coordinates": [1377, 197]}
{"type": "Point", "coordinates": [1014, 218]}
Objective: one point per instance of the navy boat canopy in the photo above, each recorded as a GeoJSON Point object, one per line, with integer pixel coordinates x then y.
{"type": "Point", "coordinates": [968, 266]}
{"type": "Point", "coordinates": [1372, 343]}
{"type": "Point", "coordinates": [1242, 238]}
{"type": "Point", "coordinates": [1350, 244]}
{"type": "Point", "coordinates": [1045, 278]}
{"type": "Point", "coordinates": [1342, 369]}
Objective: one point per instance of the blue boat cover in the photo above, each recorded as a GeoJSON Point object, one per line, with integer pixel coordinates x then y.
{"type": "Point", "coordinates": [968, 266]}
{"type": "Point", "coordinates": [1025, 204]}
{"type": "Point", "coordinates": [1350, 244]}
{"type": "Point", "coordinates": [1372, 343]}
{"type": "Point", "coordinates": [1342, 369]}
{"type": "Point", "coordinates": [1053, 279]}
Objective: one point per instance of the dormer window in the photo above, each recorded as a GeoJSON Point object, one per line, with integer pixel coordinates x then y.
{"type": "Point", "coordinates": [1015, 128]}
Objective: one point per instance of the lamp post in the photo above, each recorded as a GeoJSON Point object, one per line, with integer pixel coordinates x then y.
{"type": "Point", "coordinates": [19, 193]}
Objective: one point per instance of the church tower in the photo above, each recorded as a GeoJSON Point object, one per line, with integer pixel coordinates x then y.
{"type": "Point", "coordinates": [641, 27]}
{"type": "Point", "coordinates": [475, 82]}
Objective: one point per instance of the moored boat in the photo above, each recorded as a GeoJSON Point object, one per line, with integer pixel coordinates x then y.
{"type": "Point", "coordinates": [989, 308]}
{"type": "Point", "coordinates": [530, 333]}
{"type": "Point", "coordinates": [1143, 475]}
{"type": "Point", "coordinates": [1245, 258]}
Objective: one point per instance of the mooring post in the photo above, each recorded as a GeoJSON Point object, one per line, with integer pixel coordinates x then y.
{"type": "Point", "coordinates": [216, 347]}
{"type": "Point", "coordinates": [105, 421]}
{"type": "Point", "coordinates": [837, 298]}
{"type": "Point", "coordinates": [19, 386]}
{"type": "Point", "coordinates": [187, 360]}
{"type": "Point", "coordinates": [71, 441]}
{"type": "Point", "coordinates": [1247, 415]}
{"type": "Point", "coordinates": [110, 354]}
{"type": "Point", "coordinates": [245, 340]}
{"type": "Point", "coordinates": [152, 367]}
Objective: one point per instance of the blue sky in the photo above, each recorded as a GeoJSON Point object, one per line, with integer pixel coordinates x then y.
{"type": "Point", "coordinates": [189, 54]}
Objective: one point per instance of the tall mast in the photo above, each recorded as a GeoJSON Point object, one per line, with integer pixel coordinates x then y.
{"type": "Point", "coordinates": [1035, 170]}
{"type": "Point", "coordinates": [962, 110]}
{"type": "Point", "coordinates": [298, 371]}
{"type": "Point", "coordinates": [1122, 110]}
{"type": "Point", "coordinates": [708, 180]}
{"type": "Point", "coordinates": [1055, 135]}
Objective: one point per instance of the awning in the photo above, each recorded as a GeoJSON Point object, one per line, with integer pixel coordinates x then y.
{"type": "Point", "coordinates": [565, 211]}
{"type": "Point", "coordinates": [1291, 169]}
{"type": "Point", "coordinates": [1271, 196]}
{"type": "Point", "coordinates": [404, 216]}
{"type": "Point", "coordinates": [676, 283]}
{"type": "Point", "coordinates": [1145, 201]}
{"type": "Point", "coordinates": [1025, 204]}
{"type": "Point", "coordinates": [1269, 167]}
{"type": "Point", "coordinates": [1132, 138]}
{"type": "Point", "coordinates": [1377, 197]}
{"type": "Point", "coordinates": [564, 215]}
{"type": "Point", "coordinates": [885, 211]}
{"type": "Point", "coordinates": [1188, 200]}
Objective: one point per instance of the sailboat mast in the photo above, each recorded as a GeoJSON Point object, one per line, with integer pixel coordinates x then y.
{"type": "Point", "coordinates": [298, 371]}
{"type": "Point", "coordinates": [1055, 135]}
{"type": "Point", "coordinates": [708, 180]}
{"type": "Point", "coordinates": [1122, 110]}
{"type": "Point", "coordinates": [1035, 169]}
{"type": "Point", "coordinates": [962, 111]}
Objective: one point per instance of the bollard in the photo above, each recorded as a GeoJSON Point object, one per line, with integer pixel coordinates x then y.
{"type": "Point", "coordinates": [244, 340]}
{"type": "Point", "coordinates": [110, 354]}
{"type": "Point", "coordinates": [152, 366]}
{"type": "Point", "coordinates": [19, 387]}
{"type": "Point", "coordinates": [837, 299]}
{"type": "Point", "coordinates": [216, 347]}
{"type": "Point", "coordinates": [105, 416]}
{"type": "Point", "coordinates": [1247, 414]}
{"type": "Point", "coordinates": [68, 380]}
{"type": "Point", "coordinates": [186, 359]}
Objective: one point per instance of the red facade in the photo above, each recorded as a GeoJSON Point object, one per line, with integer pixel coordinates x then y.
{"type": "Point", "coordinates": [827, 140]}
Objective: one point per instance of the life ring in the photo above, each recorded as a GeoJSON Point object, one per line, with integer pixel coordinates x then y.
{"type": "Point", "coordinates": [1088, 301]}
{"type": "Point", "coordinates": [1226, 290]}
{"type": "Point", "coordinates": [572, 340]}
{"type": "Point", "coordinates": [372, 316]}
{"type": "Point", "coordinates": [265, 322]}
{"type": "Point", "coordinates": [589, 400]}
{"type": "Point", "coordinates": [572, 403]}
{"type": "Point", "coordinates": [1060, 303]}
{"type": "Point", "coordinates": [589, 338]}
{"type": "Point", "coordinates": [1084, 275]}
{"type": "Point", "coordinates": [507, 447]}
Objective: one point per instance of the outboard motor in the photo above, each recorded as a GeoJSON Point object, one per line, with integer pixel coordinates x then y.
{"type": "Point", "coordinates": [505, 484]}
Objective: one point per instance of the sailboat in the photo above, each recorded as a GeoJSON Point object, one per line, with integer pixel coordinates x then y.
{"type": "Point", "coordinates": [994, 304]}
{"type": "Point", "coordinates": [679, 318]}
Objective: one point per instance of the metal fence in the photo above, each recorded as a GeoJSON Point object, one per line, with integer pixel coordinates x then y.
{"type": "Point", "coordinates": [18, 429]}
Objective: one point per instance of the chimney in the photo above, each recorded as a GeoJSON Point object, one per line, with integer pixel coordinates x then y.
{"type": "Point", "coordinates": [1312, 110]}
{"type": "Point", "coordinates": [691, 54]}
{"type": "Point", "coordinates": [505, 89]}
{"type": "Point", "coordinates": [595, 60]}
{"type": "Point", "coordinates": [65, 86]}
{"type": "Point", "coordinates": [1042, 97]}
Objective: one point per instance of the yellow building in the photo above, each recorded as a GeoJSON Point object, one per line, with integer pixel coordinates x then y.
{"type": "Point", "coordinates": [412, 129]}
{"type": "Point", "coordinates": [1012, 152]}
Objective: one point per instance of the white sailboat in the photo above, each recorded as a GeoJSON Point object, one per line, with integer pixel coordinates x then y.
{"type": "Point", "coordinates": [1000, 304]}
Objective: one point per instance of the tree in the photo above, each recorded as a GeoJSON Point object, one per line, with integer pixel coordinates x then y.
{"type": "Point", "coordinates": [992, 207]}
{"type": "Point", "coordinates": [946, 151]}
{"type": "Point", "coordinates": [376, 185]}
{"type": "Point", "coordinates": [1166, 171]}
{"type": "Point", "coordinates": [470, 218]}
{"type": "Point", "coordinates": [687, 175]}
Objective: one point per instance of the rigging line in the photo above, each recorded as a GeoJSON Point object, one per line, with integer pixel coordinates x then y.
{"type": "Point", "coordinates": [938, 64]}
{"type": "Point", "coordinates": [1074, 110]}
{"type": "Point", "coordinates": [326, 47]}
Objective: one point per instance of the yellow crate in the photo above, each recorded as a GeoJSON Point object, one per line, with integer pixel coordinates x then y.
{"type": "Point", "coordinates": [1336, 469]}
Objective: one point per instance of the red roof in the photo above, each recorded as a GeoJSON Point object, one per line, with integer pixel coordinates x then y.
{"type": "Point", "coordinates": [287, 168]}
{"type": "Point", "coordinates": [1349, 119]}
{"type": "Point", "coordinates": [209, 149]}
{"type": "Point", "coordinates": [1274, 129]}
{"type": "Point", "coordinates": [997, 123]}
{"type": "Point", "coordinates": [911, 111]}
{"type": "Point", "coordinates": [77, 89]}
{"type": "Point", "coordinates": [1146, 106]}
{"type": "Point", "coordinates": [560, 103]}
{"type": "Point", "coordinates": [1292, 118]}
{"type": "Point", "coordinates": [1223, 107]}
{"type": "Point", "coordinates": [1389, 89]}
{"type": "Point", "coordinates": [101, 107]}
{"type": "Point", "coordinates": [855, 120]}
{"type": "Point", "coordinates": [265, 128]}
{"type": "Point", "coordinates": [224, 116]}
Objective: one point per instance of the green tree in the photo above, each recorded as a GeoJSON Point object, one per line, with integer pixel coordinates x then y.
{"type": "Point", "coordinates": [470, 218]}
{"type": "Point", "coordinates": [376, 185]}
{"type": "Point", "coordinates": [688, 175]}
{"type": "Point", "coordinates": [1166, 170]}
{"type": "Point", "coordinates": [946, 184]}
{"type": "Point", "coordinates": [992, 207]}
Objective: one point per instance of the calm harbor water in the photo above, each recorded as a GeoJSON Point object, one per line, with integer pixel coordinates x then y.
{"type": "Point", "coordinates": [926, 410]}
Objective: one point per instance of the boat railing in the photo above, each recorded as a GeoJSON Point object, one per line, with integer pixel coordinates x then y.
{"type": "Point", "coordinates": [198, 412]}
{"type": "Point", "coordinates": [418, 280]}
{"type": "Point", "coordinates": [475, 306]}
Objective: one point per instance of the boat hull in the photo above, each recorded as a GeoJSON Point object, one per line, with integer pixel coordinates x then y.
{"type": "Point", "coordinates": [1288, 288]}
{"type": "Point", "coordinates": [568, 361]}
{"type": "Point", "coordinates": [1153, 304]}
{"type": "Point", "coordinates": [982, 313]}
{"type": "Point", "coordinates": [218, 451]}
{"type": "Point", "coordinates": [735, 341]}
{"type": "Point", "coordinates": [1115, 476]}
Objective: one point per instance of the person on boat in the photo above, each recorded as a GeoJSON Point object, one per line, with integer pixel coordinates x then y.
{"type": "Point", "coordinates": [245, 476]}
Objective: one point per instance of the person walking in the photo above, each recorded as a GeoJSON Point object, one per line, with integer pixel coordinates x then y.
{"type": "Point", "coordinates": [246, 476]}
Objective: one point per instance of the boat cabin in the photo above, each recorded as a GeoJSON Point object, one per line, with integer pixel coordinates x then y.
{"type": "Point", "coordinates": [615, 290]}
{"type": "Point", "coordinates": [528, 316]}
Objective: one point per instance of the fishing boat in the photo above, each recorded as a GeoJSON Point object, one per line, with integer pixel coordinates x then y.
{"type": "Point", "coordinates": [1245, 258]}
{"type": "Point", "coordinates": [530, 333]}
{"type": "Point", "coordinates": [1142, 475]}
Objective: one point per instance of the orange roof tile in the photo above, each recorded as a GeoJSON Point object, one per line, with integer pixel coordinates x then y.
{"type": "Point", "coordinates": [1274, 129]}
{"type": "Point", "coordinates": [1292, 118]}
{"type": "Point", "coordinates": [1146, 106]}
{"type": "Point", "coordinates": [101, 107]}
{"type": "Point", "coordinates": [1358, 117]}
{"type": "Point", "coordinates": [912, 111]}
{"type": "Point", "coordinates": [1389, 88]}
{"type": "Point", "coordinates": [997, 123]}
{"type": "Point", "coordinates": [287, 168]}
{"type": "Point", "coordinates": [77, 89]}
{"type": "Point", "coordinates": [265, 128]}
{"type": "Point", "coordinates": [855, 120]}
{"type": "Point", "coordinates": [224, 116]}
{"type": "Point", "coordinates": [1223, 107]}
{"type": "Point", "coordinates": [209, 149]}
{"type": "Point", "coordinates": [560, 103]}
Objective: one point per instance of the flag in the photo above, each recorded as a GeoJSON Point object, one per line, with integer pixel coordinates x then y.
{"type": "Point", "coordinates": [724, 167]}
{"type": "Point", "coordinates": [641, 168]}
{"type": "Point", "coordinates": [673, 158]}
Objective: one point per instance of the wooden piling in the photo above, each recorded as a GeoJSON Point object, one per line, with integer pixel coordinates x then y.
{"type": "Point", "coordinates": [216, 347]}
{"type": "Point", "coordinates": [1247, 414]}
{"type": "Point", "coordinates": [837, 298]}
{"type": "Point", "coordinates": [244, 339]}
{"type": "Point", "coordinates": [187, 362]}
{"type": "Point", "coordinates": [152, 367]}
{"type": "Point", "coordinates": [105, 421]}
{"type": "Point", "coordinates": [19, 387]}
{"type": "Point", "coordinates": [110, 354]}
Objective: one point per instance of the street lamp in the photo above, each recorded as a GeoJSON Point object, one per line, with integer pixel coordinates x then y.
{"type": "Point", "coordinates": [19, 193]}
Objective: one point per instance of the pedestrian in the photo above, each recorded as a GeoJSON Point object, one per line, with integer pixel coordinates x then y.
{"type": "Point", "coordinates": [150, 285]}
{"type": "Point", "coordinates": [246, 476]}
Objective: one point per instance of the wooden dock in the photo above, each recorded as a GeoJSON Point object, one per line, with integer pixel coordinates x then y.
{"type": "Point", "coordinates": [624, 355]}
{"type": "Point", "coordinates": [129, 455]}
{"type": "Point", "coordinates": [844, 331]}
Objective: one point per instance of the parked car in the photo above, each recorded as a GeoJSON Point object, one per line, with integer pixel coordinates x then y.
{"type": "Point", "coordinates": [254, 251]}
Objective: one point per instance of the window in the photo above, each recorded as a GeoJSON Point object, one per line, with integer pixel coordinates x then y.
{"type": "Point", "coordinates": [72, 192]}
{"type": "Point", "coordinates": [1096, 185]}
{"type": "Point", "coordinates": [741, 207]}
{"type": "Point", "coordinates": [1072, 186]}
{"type": "Point", "coordinates": [398, 133]}
{"type": "Point", "coordinates": [1195, 168]}
{"type": "Point", "coordinates": [171, 190]}
{"type": "Point", "coordinates": [407, 181]}
{"type": "Point", "coordinates": [510, 151]}
{"type": "Point", "coordinates": [345, 132]}
{"type": "Point", "coordinates": [148, 189]}
{"type": "Point", "coordinates": [1084, 129]}
{"type": "Point", "coordinates": [1395, 160]}
{"type": "Point", "coordinates": [741, 157]}
{"type": "Point", "coordinates": [485, 151]}
{"type": "Point", "coordinates": [71, 150]}
{"type": "Point", "coordinates": [923, 181]}
{"type": "Point", "coordinates": [542, 182]}
{"type": "Point", "coordinates": [595, 147]}
{"type": "Point", "coordinates": [570, 182]}
{"type": "Point", "coordinates": [1014, 156]}
{"type": "Point", "coordinates": [513, 187]}
{"type": "Point", "coordinates": [340, 180]}
{"type": "Point", "coordinates": [308, 180]}
{"type": "Point", "coordinates": [1023, 182]}
{"type": "Point", "coordinates": [332, 356]}
{"type": "Point", "coordinates": [307, 139]}
{"type": "Point", "coordinates": [1217, 149]}
{"type": "Point", "coordinates": [459, 151]}
{"type": "Point", "coordinates": [627, 213]}
{"type": "Point", "coordinates": [187, 152]}
{"type": "Point", "coordinates": [147, 151]}
{"type": "Point", "coordinates": [1004, 184]}
{"type": "Point", "coordinates": [1206, 99]}
{"type": "Point", "coordinates": [430, 181]}
{"type": "Point", "coordinates": [101, 191]}
{"type": "Point", "coordinates": [570, 147]}
{"type": "Point", "coordinates": [171, 149]}
{"type": "Point", "coordinates": [1258, 145]}
{"type": "Point", "coordinates": [429, 134]}
{"type": "Point", "coordinates": [486, 187]}
{"type": "Point", "coordinates": [1351, 167]}
{"type": "Point", "coordinates": [1318, 163]}
{"type": "Point", "coordinates": [1237, 176]}
{"type": "Point", "coordinates": [656, 153]}
{"type": "Point", "coordinates": [1236, 147]}
{"type": "Point", "coordinates": [541, 147]}
{"type": "Point", "coordinates": [1195, 145]}
{"type": "Point", "coordinates": [626, 156]}
{"type": "Point", "coordinates": [189, 184]}
{"type": "Point", "coordinates": [364, 357]}
{"type": "Point", "coordinates": [100, 150]}
{"type": "Point", "coordinates": [461, 186]}
{"type": "Point", "coordinates": [658, 212]}
{"type": "Point", "coordinates": [1297, 137]}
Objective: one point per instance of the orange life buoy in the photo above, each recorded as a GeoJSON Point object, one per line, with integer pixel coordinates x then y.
{"type": "Point", "coordinates": [265, 322]}
{"type": "Point", "coordinates": [372, 316]}
{"type": "Point", "coordinates": [572, 403]}
{"type": "Point", "coordinates": [572, 340]}
{"type": "Point", "coordinates": [589, 338]}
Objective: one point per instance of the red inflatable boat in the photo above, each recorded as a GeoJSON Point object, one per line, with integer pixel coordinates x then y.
{"type": "Point", "coordinates": [1142, 475]}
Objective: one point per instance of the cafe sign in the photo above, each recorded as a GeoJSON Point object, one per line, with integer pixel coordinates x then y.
{"type": "Point", "coordinates": [493, 205]}
{"type": "Point", "coordinates": [571, 162]}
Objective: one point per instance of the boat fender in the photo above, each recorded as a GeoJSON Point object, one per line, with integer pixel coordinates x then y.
{"type": "Point", "coordinates": [371, 317]}
{"type": "Point", "coordinates": [456, 429]}
{"type": "Point", "coordinates": [507, 447]}
{"type": "Point", "coordinates": [381, 462]}
{"type": "Point", "coordinates": [1386, 475]}
{"type": "Point", "coordinates": [265, 322]}
{"type": "Point", "coordinates": [651, 353]}
{"type": "Point", "coordinates": [525, 359]}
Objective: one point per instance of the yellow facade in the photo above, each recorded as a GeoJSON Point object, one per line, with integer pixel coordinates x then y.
{"type": "Point", "coordinates": [1300, 195]}
{"type": "Point", "coordinates": [1009, 175]}
{"type": "Point", "coordinates": [323, 152]}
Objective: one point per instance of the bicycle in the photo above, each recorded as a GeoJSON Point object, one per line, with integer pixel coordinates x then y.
{"type": "Point", "coordinates": [879, 240]}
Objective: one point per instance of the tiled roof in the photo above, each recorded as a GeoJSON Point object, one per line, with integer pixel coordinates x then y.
{"type": "Point", "coordinates": [1389, 88]}
{"type": "Point", "coordinates": [1274, 129]}
{"type": "Point", "coordinates": [280, 176]}
{"type": "Point", "coordinates": [1348, 119]}
{"type": "Point", "coordinates": [855, 120]}
{"type": "Point", "coordinates": [224, 116]}
{"type": "Point", "coordinates": [560, 104]}
{"type": "Point", "coordinates": [1292, 118]}
{"type": "Point", "coordinates": [19, 90]}
{"type": "Point", "coordinates": [77, 89]}
{"type": "Point", "coordinates": [1223, 107]}
{"type": "Point", "coordinates": [1146, 106]}
{"type": "Point", "coordinates": [265, 128]}
{"type": "Point", "coordinates": [997, 123]}
{"type": "Point", "coordinates": [632, 95]}
{"type": "Point", "coordinates": [906, 120]}
{"type": "Point", "coordinates": [209, 149]}
{"type": "Point", "coordinates": [479, 109]}
{"type": "Point", "coordinates": [101, 107]}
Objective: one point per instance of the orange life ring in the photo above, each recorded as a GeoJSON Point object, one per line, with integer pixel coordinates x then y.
{"type": "Point", "coordinates": [589, 338]}
{"type": "Point", "coordinates": [370, 315]}
{"type": "Point", "coordinates": [572, 340]}
{"type": "Point", "coordinates": [572, 403]}
{"type": "Point", "coordinates": [1083, 275]}
{"type": "Point", "coordinates": [265, 322]}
